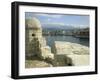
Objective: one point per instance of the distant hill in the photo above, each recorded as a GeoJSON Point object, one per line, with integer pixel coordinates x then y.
{"type": "Point", "coordinates": [61, 27]}
{"type": "Point", "coordinates": [58, 28]}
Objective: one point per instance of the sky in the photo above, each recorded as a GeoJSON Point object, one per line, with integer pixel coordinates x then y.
{"type": "Point", "coordinates": [60, 19]}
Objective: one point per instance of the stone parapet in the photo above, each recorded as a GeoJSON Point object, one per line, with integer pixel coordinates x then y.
{"type": "Point", "coordinates": [75, 54]}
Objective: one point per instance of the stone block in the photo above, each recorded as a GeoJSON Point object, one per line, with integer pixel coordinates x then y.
{"type": "Point", "coordinates": [46, 53]}
{"type": "Point", "coordinates": [69, 48]}
{"type": "Point", "coordinates": [75, 54]}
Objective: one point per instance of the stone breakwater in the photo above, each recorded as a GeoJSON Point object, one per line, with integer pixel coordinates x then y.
{"type": "Point", "coordinates": [69, 48]}
{"type": "Point", "coordinates": [75, 54]}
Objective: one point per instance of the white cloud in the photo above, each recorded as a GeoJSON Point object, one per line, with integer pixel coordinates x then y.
{"type": "Point", "coordinates": [48, 19]}
{"type": "Point", "coordinates": [50, 15]}
{"type": "Point", "coordinates": [61, 24]}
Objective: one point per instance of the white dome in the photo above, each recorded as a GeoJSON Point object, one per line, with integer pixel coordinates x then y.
{"type": "Point", "coordinates": [33, 23]}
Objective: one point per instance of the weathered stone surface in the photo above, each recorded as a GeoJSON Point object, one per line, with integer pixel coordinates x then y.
{"type": "Point", "coordinates": [69, 48]}
{"type": "Point", "coordinates": [33, 23]}
{"type": "Point", "coordinates": [78, 54]}
{"type": "Point", "coordinates": [80, 60]}
{"type": "Point", "coordinates": [46, 53]}
{"type": "Point", "coordinates": [36, 63]}
{"type": "Point", "coordinates": [36, 43]}
{"type": "Point", "coordinates": [42, 41]}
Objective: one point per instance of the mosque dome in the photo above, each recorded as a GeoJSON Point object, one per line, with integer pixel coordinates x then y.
{"type": "Point", "coordinates": [33, 23]}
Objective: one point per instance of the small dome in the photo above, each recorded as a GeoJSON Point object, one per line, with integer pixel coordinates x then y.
{"type": "Point", "coordinates": [33, 23]}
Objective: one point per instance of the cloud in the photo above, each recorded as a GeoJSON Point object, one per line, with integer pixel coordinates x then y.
{"type": "Point", "coordinates": [48, 19]}
{"type": "Point", "coordinates": [54, 24]}
{"type": "Point", "coordinates": [49, 15]}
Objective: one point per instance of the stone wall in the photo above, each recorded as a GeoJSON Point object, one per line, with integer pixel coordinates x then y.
{"type": "Point", "coordinates": [35, 42]}
{"type": "Point", "coordinates": [79, 54]}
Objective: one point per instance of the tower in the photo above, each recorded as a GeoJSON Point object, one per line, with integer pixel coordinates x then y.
{"type": "Point", "coordinates": [34, 41]}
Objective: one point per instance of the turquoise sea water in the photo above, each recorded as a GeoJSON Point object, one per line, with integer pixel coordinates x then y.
{"type": "Point", "coordinates": [50, 40]}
